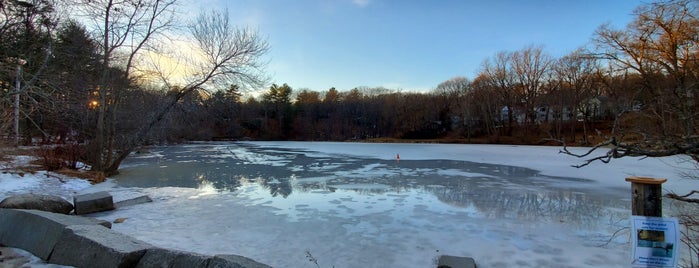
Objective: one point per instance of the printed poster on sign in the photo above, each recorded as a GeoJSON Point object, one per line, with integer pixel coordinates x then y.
{"type": "Point", "coordinates": [655, 241]}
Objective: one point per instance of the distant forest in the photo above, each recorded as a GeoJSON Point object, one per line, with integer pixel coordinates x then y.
{"type": "Point", "coordinates": [65, 81]}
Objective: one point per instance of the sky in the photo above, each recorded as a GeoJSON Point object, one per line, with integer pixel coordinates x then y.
{"type": "Point", "coordinates": [410, 45]}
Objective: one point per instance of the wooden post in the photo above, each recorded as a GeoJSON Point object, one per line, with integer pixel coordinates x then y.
{"type": "Point", "coordinates": [646, 196]}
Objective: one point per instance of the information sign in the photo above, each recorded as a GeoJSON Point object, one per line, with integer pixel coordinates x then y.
{"type": "Point", "coordinates": [655, 241]}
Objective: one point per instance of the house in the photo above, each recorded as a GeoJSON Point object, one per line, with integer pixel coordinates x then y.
{"type": "Point", "coordinates": [598, 107]}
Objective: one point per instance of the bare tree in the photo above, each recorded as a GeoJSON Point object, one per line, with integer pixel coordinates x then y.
{"type": "Point", "coordinates": [657, 52]}
{"type": "Point", "coordinates": [124, 28]}
{"type": "Point", "coordinates": [130, 29]}
{"type": "Point", "coordinates": [454, 98]}
{"type": "Point", "coordinates": [228, 54]}
{"type": "Point", "coordinates": [660, 47]}
{"type": "Point", "coordinates": [496, 73]}
{"type": "Point", "coordinates": [575, 74]}
{"type": "Point", "coordinates": [453, 86]}
{"type": "Point", "coordinates": [486, 105]}
{"type": "Point", "coordinates": [26, 31]}
{"type": "Point", "coordinates": [530, 67]}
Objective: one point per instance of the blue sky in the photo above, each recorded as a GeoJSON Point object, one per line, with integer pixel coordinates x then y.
{"type": "Point", "coordinates": [412, 45]}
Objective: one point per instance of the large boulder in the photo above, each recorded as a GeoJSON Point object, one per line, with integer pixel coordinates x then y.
{"type": "Point", "coordinates": [96, 246]}
{"type": "Point", "coordinates": [38, 231]}
{"type": "Point", "coordinates": [48, 203]}
{"type": "Point", "coordinates": [234, 261]}
{"type": "Point", "coordinates": [165, 258]}
{"type": "Point", "coordinates": [85, 242]}
{"type": "Point", "coordinates": [93, 202]}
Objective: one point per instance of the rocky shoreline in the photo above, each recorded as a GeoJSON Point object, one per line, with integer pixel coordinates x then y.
{"type": "Point", "coordinates": [77, 241]}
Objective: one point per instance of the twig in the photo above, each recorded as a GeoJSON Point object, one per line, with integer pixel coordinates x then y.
{"type": "Point", "coordinates": [49, 175]}
{"type": "Point", "coordinates": [312, 259]}
{"type": "Point", "coordinates": [613, 236]}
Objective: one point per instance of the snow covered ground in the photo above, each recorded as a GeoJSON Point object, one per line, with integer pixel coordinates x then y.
{"type": "Point", "coordinates": [356, 205]}
{"type": "Point", "coordinates": [42, 182]}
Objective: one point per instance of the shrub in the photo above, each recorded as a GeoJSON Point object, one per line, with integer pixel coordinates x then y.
{"type": "Point", "coordinates": [57, 157]}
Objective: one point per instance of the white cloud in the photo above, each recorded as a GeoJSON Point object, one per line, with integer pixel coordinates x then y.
{"type": "Point", "coordinates": [361, 3]}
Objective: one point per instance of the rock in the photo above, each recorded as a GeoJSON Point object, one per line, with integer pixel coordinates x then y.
{"type": "Point", "coordinates": [84, 242]}
{"type": "Point", "coordinates": [38, 231]}
{"type": "Point", "coordinates": [133, 201]}
{"type": "Point", "coordinates": [95, 246]}
{"type": "Point", "coordinates": [446, 261]}
{"type": "Point", "coordinates": [48, 203]}
{"type": "Point", "coordinates": [235, 261]}
{"type": "Point", "coordinates": [120, 220]}
{"type": "Point", "coordinates": [165, 258]}
{"type": "Point", "coordinates": [93, 202]}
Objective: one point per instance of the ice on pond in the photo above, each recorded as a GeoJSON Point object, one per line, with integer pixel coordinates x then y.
{"type": "Point", "coordinates": [355, 205]}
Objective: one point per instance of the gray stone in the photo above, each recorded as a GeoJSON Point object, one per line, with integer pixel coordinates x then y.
{"type": "Point", "coordinates": [133, 201]}
{"type": "Point", "coordinates": [37, 231]}
{"type": "Point", "coordinates": [235, 261]}
{"type": "Point", "coordinates": [446, 261]}
{"type": "Point", "coordinates": [93, 202]}
{"type": "Point", "coordinates": [165, 258]}
{"type": "Point", "coordinates": [95, 246]}
{"type": "Point", "coordinates": [48, 203]}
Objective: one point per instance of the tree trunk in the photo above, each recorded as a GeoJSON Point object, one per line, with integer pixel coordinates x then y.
{"type": "Point", "coordinates": [573, 122]}
{"type": "Point", "coordinates": [510, 120]}
{"type": "Point", "coordinates": [16, 106]}
{"type": "Point", "coordinates": [99, 163]}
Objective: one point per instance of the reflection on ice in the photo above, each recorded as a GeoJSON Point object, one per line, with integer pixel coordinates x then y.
{"type": "Point", "coordinates": [381, 205]}
{"type": "Point", "coordinates": [489, 191]}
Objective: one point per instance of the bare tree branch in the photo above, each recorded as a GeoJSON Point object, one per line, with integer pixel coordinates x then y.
{"type": "Point", "coordinates": [684, 198]}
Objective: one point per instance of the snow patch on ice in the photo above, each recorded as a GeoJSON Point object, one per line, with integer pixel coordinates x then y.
{"type": "Point", "coordinates": [361, 186]}
{"type": "Point", "coordinates": [461, 173]}
{"type": "Point", "coordinates": [253, 158]}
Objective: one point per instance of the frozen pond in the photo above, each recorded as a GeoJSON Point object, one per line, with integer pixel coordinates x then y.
{"type": "Point", "coordinates": [356, 205]}
{"type": "Point", "coordinates": [306, 186]}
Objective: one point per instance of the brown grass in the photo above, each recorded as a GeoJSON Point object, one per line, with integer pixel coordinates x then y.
{"type": "Point", "coordinates": [36, 165]}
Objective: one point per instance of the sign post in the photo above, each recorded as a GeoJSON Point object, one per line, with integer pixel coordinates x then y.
{"type": "Point", "coordinates": [655, 239]}
{"type": "Point", "coordinates": [646, 196]}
